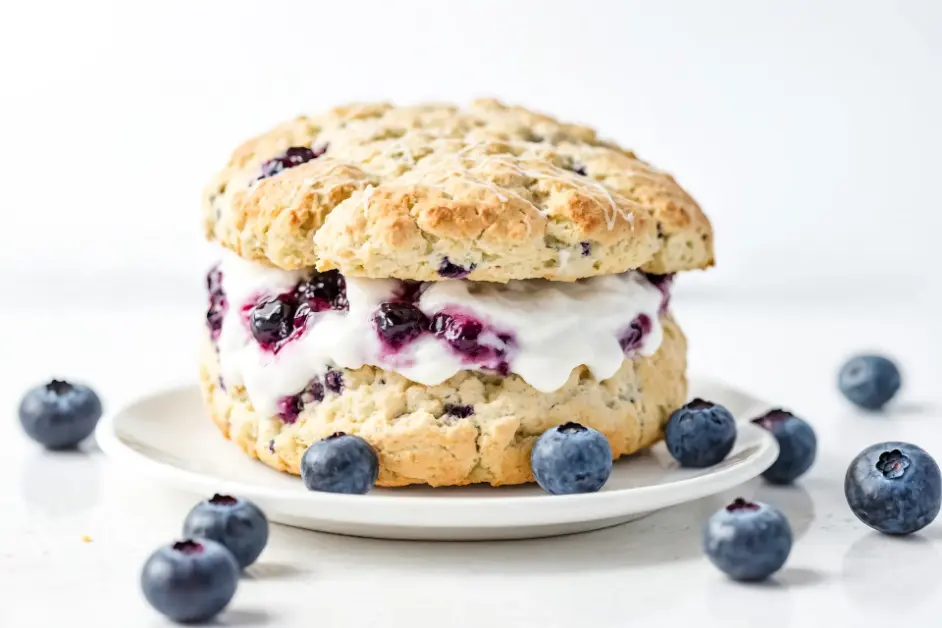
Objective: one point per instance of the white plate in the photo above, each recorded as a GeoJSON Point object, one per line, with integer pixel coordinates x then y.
{"type": "Point", "coordinates": [168, 437]}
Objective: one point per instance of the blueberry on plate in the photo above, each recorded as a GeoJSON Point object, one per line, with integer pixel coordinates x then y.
{"type": "Point", "coordinates": [797, 445]}
{"type": "Point", "coordinates": [869, 381]}
{"type": "Point", "coordinates": [237, 524]}
{"type": "Point", "coordinates": [700, 434]}
{"type": "Point", "coordinates": [60, 415]}
{"type": "Point", "coordinates": [748, 541]}
{"type": "Point", "coordinates": [340, 463]}
{"type": "Point", "coordinates": [191, 580]}
{"type": "Point", "coordinates": [571, 458]}
{"type": "Point", "coordinates": [894, 488]}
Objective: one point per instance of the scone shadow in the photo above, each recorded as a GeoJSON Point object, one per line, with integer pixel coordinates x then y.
{"type": "Point", "coordinates": [667, 535]}
{"type": "Point", "coordinates": [663, 536]}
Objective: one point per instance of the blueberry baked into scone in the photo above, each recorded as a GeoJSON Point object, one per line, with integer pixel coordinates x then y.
{"type": "Point", "coordinates": [446, 283]}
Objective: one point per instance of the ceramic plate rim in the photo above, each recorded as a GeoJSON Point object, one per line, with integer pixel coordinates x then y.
{"type": "Point", "coordinates": [694, 487]}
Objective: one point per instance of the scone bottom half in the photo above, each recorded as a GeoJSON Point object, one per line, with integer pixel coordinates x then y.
{"type": "Point", "coordinates": [472, 428]}
{"type": "Point", "coordinates": [430, 192]}
{"type": "Point", "coordinates": [271, 379]}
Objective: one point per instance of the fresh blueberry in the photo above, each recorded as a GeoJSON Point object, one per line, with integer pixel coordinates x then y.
{"type": "Point", "coordinates": [748, 541]}
{"type": "Point", "coordinates": [633, 336]}
{"type": "Point", "coordinates": [399, 323]}
{"type": "Point", "coordinates": [869, 381]}
{"type": "Point", "coordinates": [238, 524]}
{"type": "Point", "coordinates": [586, 247]}
{"type": "Point", "coordinates": [571, 459]}
{"type": "Point", "coordinates": [894, 488]}
{"type": "Point", "coordinates": [190, 581]}
{"type": "Point", "coordinates": [340, 463]}
{"type": "Point", "coordinates": [60, 415]}
{"type": "Point", "coordinates": [797, 445]}
{"type": "Point", "coordinates": [294, 156]}
{"type": "Point", "coordinates": [700, 434]}
{"type": "Point", "coordinates": [454, 271]}
{"type": "Point", "coordinates": [272, 320]}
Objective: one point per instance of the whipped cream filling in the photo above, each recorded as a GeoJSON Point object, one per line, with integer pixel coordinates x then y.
{"type": "Point", "coordinates": [540, 330]}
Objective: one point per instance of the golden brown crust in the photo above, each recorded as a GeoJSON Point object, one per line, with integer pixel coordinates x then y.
{"type": "Point", "coordinates": [418, 443]}
{"type": "Point", "coordinates": [512, 193]}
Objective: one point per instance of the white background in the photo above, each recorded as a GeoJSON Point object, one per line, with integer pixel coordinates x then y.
{"type": "Point", "coordinates": [808, 130]}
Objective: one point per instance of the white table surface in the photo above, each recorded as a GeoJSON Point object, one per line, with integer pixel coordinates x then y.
{"type": "Point", "coordinates": [650, 572]}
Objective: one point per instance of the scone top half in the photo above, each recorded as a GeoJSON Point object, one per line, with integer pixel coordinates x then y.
{"type": "Point", "coordinates": [431, 192]}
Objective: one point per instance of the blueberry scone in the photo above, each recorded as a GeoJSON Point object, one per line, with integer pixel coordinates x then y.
{"type": "Point", "coordinates": [447, 284]}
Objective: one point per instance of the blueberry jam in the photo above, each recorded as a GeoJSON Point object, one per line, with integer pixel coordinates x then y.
{"type": "Point", "coordinates": [454, 271]}
{"type": "Point", "coordinates": [275, 320]}
{"type": "Point", "coordinates": [294, 156]}
{"type": "Point", "coordinates": [323, 291]}
{"type": "Point", "coordinates": [461, 332]}
{"type": "Point", "coordinates": [662, 283]}
{"type": "Point", "coordinates": [427, 331]}
{"type": "Point", "coordinates": [399, 324]}
{"type": "Point", "coordinates": [217, 302]}
{"type": "Point", "coordinates": [289, 408]}
{"type": "Point", "coordinates": [272, 320]}
{"type": "Point", "coordinates": [633, 336]}
{"type": "Point", "coordinates": [466, 335]}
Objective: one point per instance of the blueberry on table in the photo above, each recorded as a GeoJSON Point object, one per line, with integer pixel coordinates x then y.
{"type": "Point", "coordinates": [191, 580]}
{"type": "Point", "coordinates": [895, 488]}
{"type": "Point", "coordinates": [869, 381]}
{"type": "Point", "coordinates": [700, 434]}
{"type": "Point", "coordinates": [797, 445]}
{"type": "Point", "coordinates": [60, 415]}
{"type": "Point", "coordinates": [571, 458]}
{"type": "Point", "coordinates": [748, 541]}
{"type": "Point", "coordinates": [237, 524]}
{"type": "Point", "coordinates": [340, 463]}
